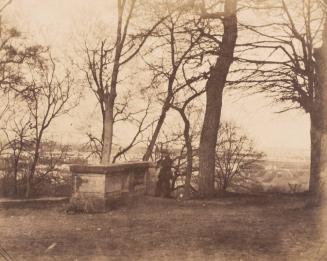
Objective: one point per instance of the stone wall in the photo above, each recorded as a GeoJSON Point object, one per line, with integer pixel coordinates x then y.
{"type": "Point", "coordinates": [105, 184]}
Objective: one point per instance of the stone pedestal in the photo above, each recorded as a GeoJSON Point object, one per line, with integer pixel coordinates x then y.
{"type": "Point", "coordinates": [100, 186]}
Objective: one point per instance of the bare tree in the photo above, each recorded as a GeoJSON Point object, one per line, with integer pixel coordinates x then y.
{"type": "Point", "coordinates": [14, 56]}
{"type": "Point", "coordinates": [105, 64]}
{"type": "Point", "coordinates": [47, 97]}
{"type": "Point", "coordinates": [175, 143]}
{"type": "Point", "coordinates": [214, 92]}
{"type": "Point", "coordinates": [321, 58]}
{"type": "Point", "coordinates": [49, 175]}
{"type": "Point", "coordinates": [235, 156]}
{"type": "Point", "coordinates": [181, 37]}
{"type": "Point", "coordinates": [291, 66]}
{"type": "Point", "coordinates": [141, 127]}
{"type": "Point", "coordinates": [94, 145]}
{"type": "Point", "coordinates": [18, 141]}
{"type": "Point", "coordinates": [181, 108]}
{"type": "Point", "coordinates": [126, 113]}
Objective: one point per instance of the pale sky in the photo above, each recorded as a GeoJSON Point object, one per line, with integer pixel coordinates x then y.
{"type": "Point", "coordinates": [59, 23]}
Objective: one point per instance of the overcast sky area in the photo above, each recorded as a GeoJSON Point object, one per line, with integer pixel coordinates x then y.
{"type": "Point", "coordinates": [58, 23]}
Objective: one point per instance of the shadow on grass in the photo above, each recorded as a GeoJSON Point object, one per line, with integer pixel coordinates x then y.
{"type": "Point", "coordinates": [33, 205]}
{"type": "Point", "coordinates": [270, 227]}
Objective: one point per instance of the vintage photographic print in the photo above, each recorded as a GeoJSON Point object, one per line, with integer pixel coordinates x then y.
{"type": "Point", "coordinates": [163, 130]}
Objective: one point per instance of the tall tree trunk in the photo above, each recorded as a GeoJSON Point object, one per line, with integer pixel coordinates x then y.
{"type": "Point", "coordinates": [323, 144]}
{"type": "Point", "coordinates": [108, 127]}
{"type": "Point", "coordinates": [315, 137]}
{"type": "Point", "coordinates": [15, 169]}
{"type": "Point", "coordinates": [189, 156]}
{"type": "Point", "coordinates": [103, 131]}
{"type": "Point", "coordinates": [110, 96]}
{"type": "Point", "coordinates": [28, 186]}
{"type": "Point", "coordinates": [214, 92]}
{"type": "Point", "coordinates": [108, 131]}
{"type": "Point", "coordinates": [321, 70]}
{"type": "Point", "coordinates": [322, 83]}
{"type": "Point", "coordinates": [31, 173]}
{"type": "Point", "coordinates": [208, 139]}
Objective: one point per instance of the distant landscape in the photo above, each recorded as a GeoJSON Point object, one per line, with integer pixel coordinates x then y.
{"type": "Point", "coordinates": [281, 170]}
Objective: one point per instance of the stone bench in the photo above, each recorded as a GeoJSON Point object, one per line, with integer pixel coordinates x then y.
{"type": "Point", "coordinates": [104, 184]}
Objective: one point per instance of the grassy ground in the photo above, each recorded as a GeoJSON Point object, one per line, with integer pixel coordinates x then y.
{"type": "Point", "coordinates": [230, 228]}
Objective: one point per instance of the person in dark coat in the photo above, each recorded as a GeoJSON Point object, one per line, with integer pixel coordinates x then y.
{"type": "Point", "coordinates": [165, 175]}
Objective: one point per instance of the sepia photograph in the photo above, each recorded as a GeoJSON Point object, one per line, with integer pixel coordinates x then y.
{"type": "Point", "coordinates": [163, 130]}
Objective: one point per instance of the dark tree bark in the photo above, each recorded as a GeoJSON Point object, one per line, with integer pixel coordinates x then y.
{"type": "Point", "coordinates": [320, 174]}
{"type": "Point", "coordinates": [31, 172]}
{"type": "Point", "coordinates": [214, 91]}
{"type": "Point", "coordinates": [323, 144]}
{"type": "Point", "coordinates": [108, 126]}
{"type": "Point", "coordinates": [110, 96]}
{"type": "Point", "coordinates": [209, 137]}
{"type": "Point", "coordinates": [315, 137]}
{"type": "Point", "coordinates": [189, 155]}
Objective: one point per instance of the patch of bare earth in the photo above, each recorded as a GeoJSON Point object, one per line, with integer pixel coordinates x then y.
{"type": "Point", "coordinates": [229, 228]}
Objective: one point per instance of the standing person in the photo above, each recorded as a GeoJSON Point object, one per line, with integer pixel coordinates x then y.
{"type": "Point", "coordinates": [165, 175]}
